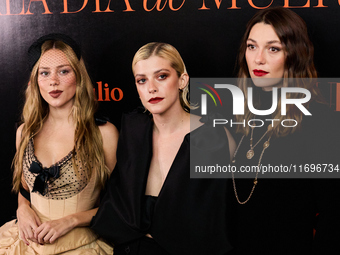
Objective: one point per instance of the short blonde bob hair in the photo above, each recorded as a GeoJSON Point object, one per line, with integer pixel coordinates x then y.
{"type": "Point", "coordinates": [170, 53]}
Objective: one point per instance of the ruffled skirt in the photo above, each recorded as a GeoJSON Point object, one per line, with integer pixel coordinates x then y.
{"type": "Point", "coordinates": [78, 241]}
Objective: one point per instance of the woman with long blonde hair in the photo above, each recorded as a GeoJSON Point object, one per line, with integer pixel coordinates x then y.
{"type": "Point", "coordinates": [63, 156]}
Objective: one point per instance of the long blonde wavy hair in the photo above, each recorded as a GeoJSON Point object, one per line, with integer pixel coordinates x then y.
{"type": "Point", "coordinates": [88, 143]}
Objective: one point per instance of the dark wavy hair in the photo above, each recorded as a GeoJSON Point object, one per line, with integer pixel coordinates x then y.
{"type": "Point", "coordinates": [299, 53]}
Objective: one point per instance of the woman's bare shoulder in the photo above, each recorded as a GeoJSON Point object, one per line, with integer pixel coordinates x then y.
{"type": "Point", "coordinates": [108, 131]}
{"type": "Point", "coordinates": [18, 135]}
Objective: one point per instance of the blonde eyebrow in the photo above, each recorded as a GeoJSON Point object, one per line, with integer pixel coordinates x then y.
{"type": "Point", "coordinates": [161, 70]}
{"type": "Point", "coordinates": [139, 75]}
{"type": "Point", "coordinates": [43, 67]}
{"type": "Point", "coordinates": [155, 72]}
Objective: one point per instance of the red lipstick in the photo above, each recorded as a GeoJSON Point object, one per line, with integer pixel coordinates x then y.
{"type": "Point", "coordinates": [259, 72]}
{"type": "Point", "coordinates": [55, 93]}
{"type": "Point", "coordinates": [155, 100]}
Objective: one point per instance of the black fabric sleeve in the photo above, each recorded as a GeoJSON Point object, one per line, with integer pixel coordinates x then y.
{"type": "Point", "coordinates": [25, 193]}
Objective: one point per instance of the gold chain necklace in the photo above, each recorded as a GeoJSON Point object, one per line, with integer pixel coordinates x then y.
{"type": "Point", "coordinates": [250, 153]}
{"type": "Point", "coordinates": [265, 146]}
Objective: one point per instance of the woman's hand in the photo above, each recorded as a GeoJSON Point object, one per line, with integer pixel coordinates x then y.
{"type": "Point", "coordinates": [28, 220]}
{"type": "Point", "coordinates": [50, 231]}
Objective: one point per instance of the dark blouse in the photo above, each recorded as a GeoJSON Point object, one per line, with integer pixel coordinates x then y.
{"type": "Point", "coordinates": [189, 216]}
{"type": "Point", "coordinates": [280, 216]}
{"type": "Point", "coordinates": [149, 203]}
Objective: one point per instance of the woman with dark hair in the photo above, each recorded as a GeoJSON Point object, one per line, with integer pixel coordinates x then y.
{"type": "Point", "coordinates": [277, 215]}
{"type": "Point", "coordinates": [152, 205]}
{"type": "Point", "coordinates": [63, 156]}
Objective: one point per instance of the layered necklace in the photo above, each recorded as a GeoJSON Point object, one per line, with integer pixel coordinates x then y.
{"type": "Point", "coordinates": [250, 154]}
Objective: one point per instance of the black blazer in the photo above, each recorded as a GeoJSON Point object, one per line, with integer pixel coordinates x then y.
{"type": "Point", "coordinates": [190, 215]}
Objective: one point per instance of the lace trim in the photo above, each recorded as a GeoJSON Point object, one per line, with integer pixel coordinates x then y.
{"type": "Point", "coordinates": [67, 185]}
